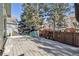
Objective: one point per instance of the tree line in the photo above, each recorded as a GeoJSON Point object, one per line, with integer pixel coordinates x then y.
{"type": "Point", "coordinates": [34, 13]}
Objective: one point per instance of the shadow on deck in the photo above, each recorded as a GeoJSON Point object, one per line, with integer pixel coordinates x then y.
{"type": "Point", "coordinates": [56, 48]}
{"type": "Point", "coordinates": [29, 46]}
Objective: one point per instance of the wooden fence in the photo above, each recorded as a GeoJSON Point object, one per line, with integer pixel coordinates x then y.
{"type": "Point", "coordinates": [64, 37]}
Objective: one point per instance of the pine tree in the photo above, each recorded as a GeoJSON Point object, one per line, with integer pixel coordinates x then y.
{"type": "Point", "coordinates": [30, 15]}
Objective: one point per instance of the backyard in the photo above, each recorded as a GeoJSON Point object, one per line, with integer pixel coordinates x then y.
{"type": "Point", "coordinates": [39, 29]}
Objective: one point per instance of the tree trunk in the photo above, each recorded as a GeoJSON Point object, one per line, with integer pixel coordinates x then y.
{"type": "Point", "coordinates": [77, 11]}
{"type": "Point", "coordinates": [54, 29]}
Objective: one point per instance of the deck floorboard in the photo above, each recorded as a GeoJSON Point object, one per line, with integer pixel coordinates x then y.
{"type": "Point", "coordinates": [28, 46]}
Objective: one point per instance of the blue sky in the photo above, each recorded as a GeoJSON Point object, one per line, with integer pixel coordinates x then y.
{"type": "Point", "coordinates": [16, 10]}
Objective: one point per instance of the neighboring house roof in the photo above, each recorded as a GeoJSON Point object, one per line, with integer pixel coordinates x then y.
{"type": "Point", "coordinates": [70, 30]}
{"type": "Point", "coordinates": [72, 17]}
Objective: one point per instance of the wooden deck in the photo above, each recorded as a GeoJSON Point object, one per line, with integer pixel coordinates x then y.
{"type": "Point", "coordinates": [28, 46]}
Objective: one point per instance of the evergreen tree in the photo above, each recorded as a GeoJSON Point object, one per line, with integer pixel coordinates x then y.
{"type": "Point", "coordinates": [23, 28]}
{"type": "Point", "coordinates": [30, 15]}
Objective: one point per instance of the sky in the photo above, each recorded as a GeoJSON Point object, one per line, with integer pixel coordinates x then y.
{"type": "Point", "coordinates": [16, 10]}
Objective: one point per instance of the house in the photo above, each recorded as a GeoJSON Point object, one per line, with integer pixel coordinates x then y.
{"type": "Point", "coordinates": [11, 26]}
{"type": "Point", "coordinates": [71, 23]}
{"type": "Point", "coordinates": [5, 11]}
